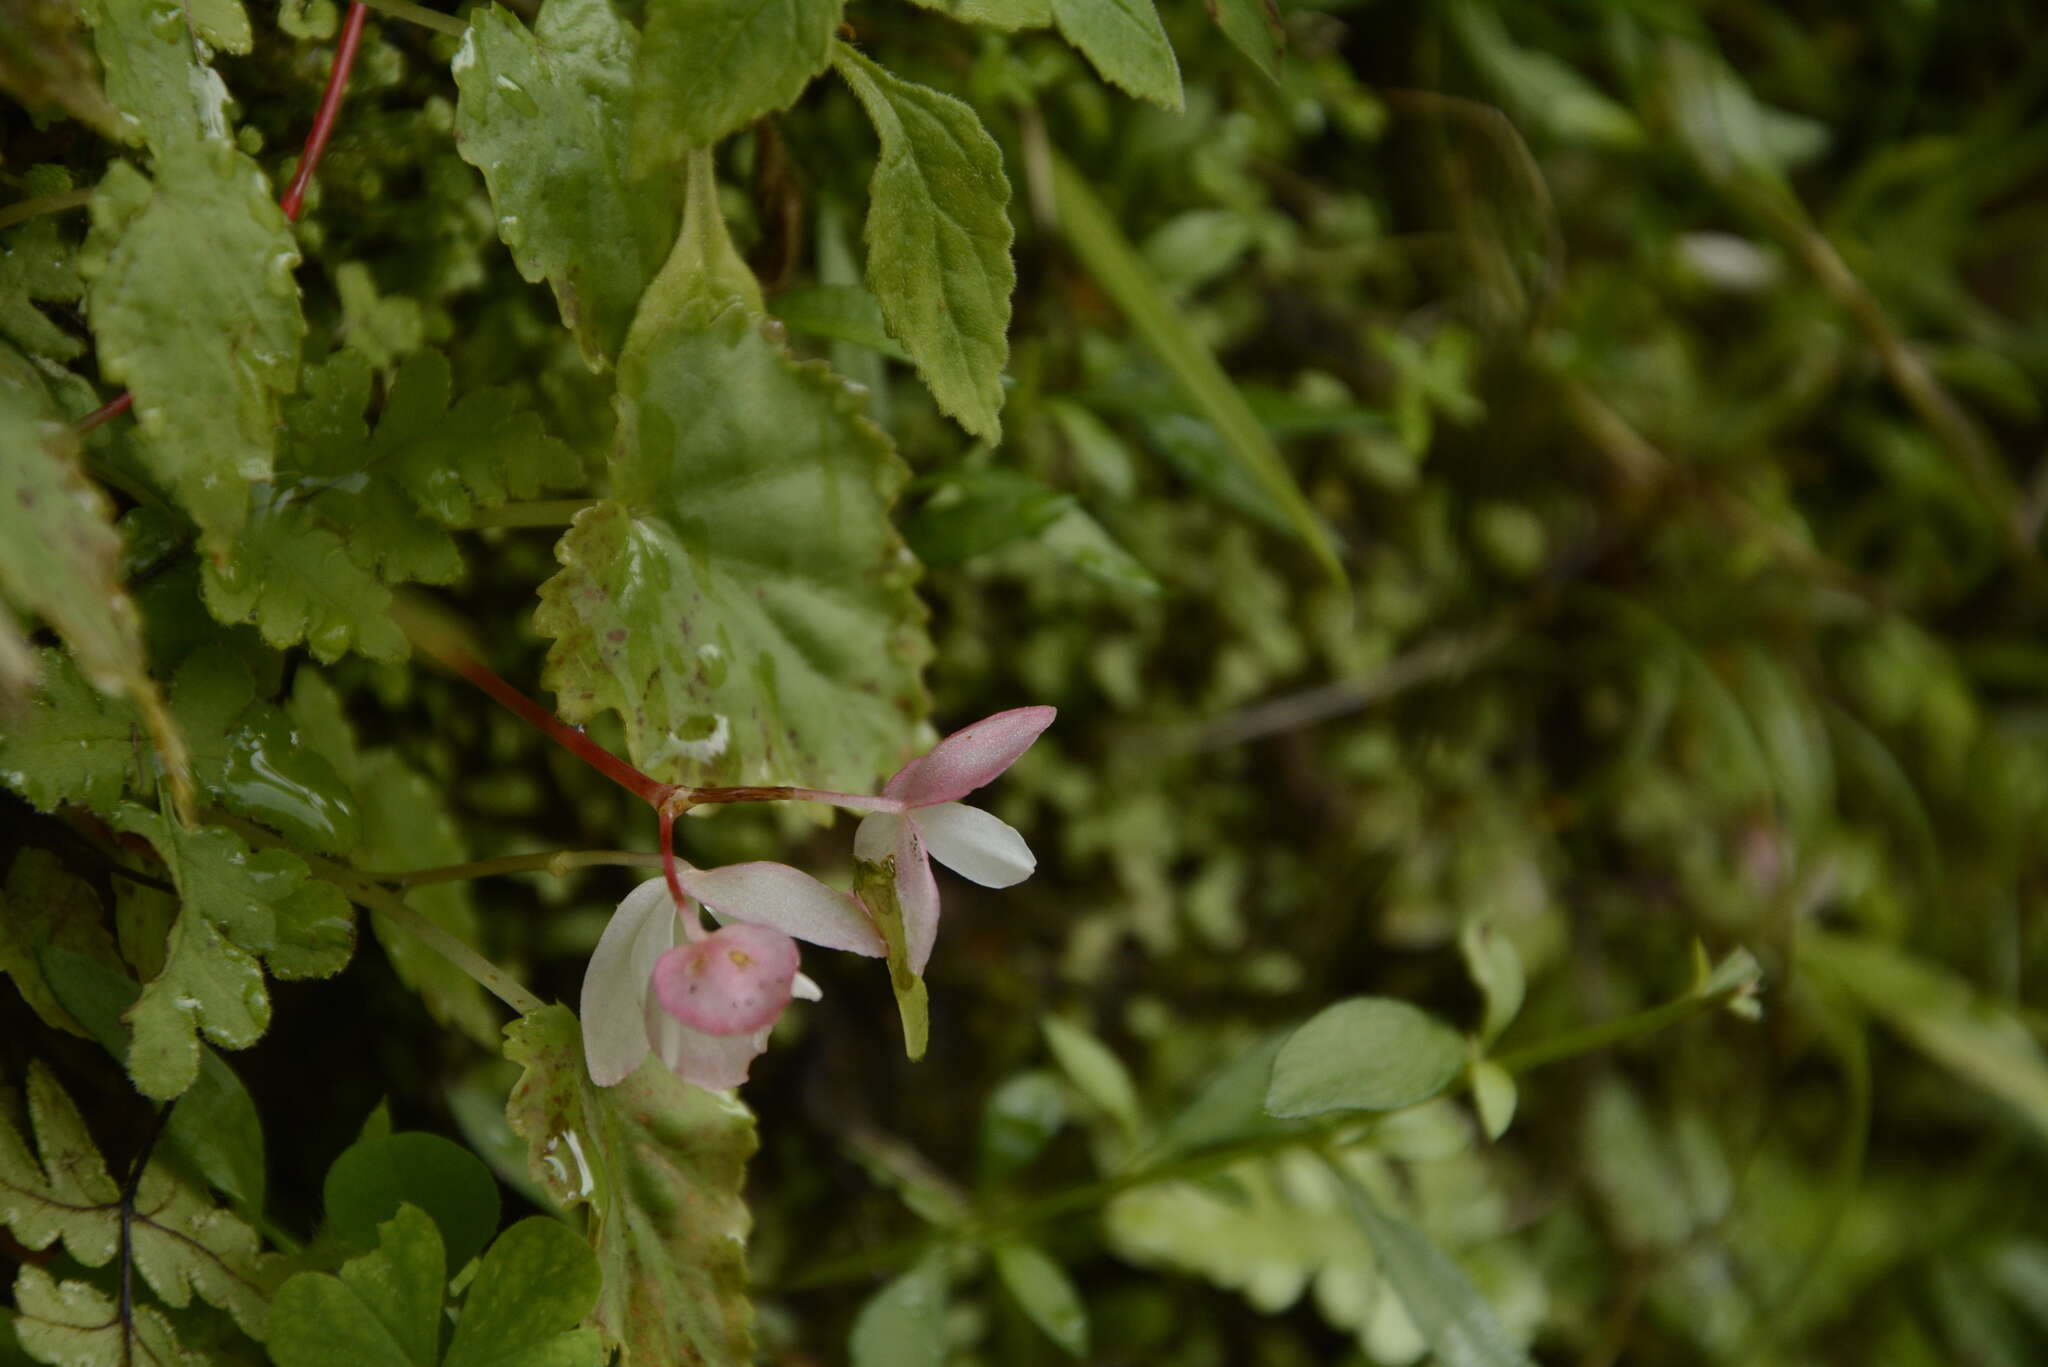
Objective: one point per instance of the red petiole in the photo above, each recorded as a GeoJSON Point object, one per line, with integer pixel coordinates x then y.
{"type": "Point", "coordinates": [294, 201]}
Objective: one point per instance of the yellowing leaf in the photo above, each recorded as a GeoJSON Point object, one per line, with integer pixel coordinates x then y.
{"type": "Point", "coordinates": [938, 238]}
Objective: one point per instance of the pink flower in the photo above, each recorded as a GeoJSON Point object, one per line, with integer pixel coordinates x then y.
{"type": "Point", "coordinates": [918, 818]}
{"type": "Point", "coordinates": [705, 1006]}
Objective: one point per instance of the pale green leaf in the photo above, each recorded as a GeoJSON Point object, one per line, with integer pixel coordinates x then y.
{"type": "Point", "coordinates": [382, 1310]}
{"type": "Point", "coordinates": [1940, 1014]}
{"type": "Point", "coordinates": [708, 68]}
{"type": "Point", "coordinates": [47, 906]}
{"type": "Point", "coordinates": [661, 1164]}
{"type": "Point", "coordinates": [1540, 88]}
{"type": "Point", "coordinates": [183, 1244]}
{"type": "Point", "coordinates": [1008, 15]}
{"type": "Point", "coordinates": [545, 116]}
{"type": "Point", "coordinates": [37, 266]}
{"type": "Point", "coordinates": [167, 97]}
{"type": "Point", "coordinates": [904, 1324]}
{"type": "Point", "coordinates": [875, 885]}
{"type": "Point", "coordinates": [742, 601]}
{"type": "Point", "coordinates": [195, 310]}
{"type": "Point", "coordinates": [1496, 968]}
{"type": "Point", "coordinates": [537, 1284]}
{"type": "Point", "coordinates": [1494, 1094]}
{"type": "Point", "coordinates": [1099, 1074]}
{"type": "Point", "coordinates": [71, 743]}
{"type": "Point", "coordinates": [1074, 538]}
{"type": "Point", "coordinates": [1093, 233]}
{"type": "Point", "coordinates": [1124, 40]}
{"type": "Point", "coordinates": [1367, 1053]}
{"type": "Point", "coordinates": [938, 238]}
{"type": "Point", "coordinates": [1231, 1103]}
{"type": "Point", "coordinates": [1455, 1320]}
{"type": "Point", "coordinates": [295, 581]}
{"type": "Point", "coordinates": [1253, 27]}
{"type": "Point", "coordinates": [1045, 1293]}
{"type": "Point", "coordinates": [207, 984]}
{"type": "Point", "coordinates": [75, 1324]}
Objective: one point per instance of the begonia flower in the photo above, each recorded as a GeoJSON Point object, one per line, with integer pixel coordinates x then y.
{"type": "Point", "coordinates": [704, 1006]}
{"type": "Point", "coordinates": [919, 818]}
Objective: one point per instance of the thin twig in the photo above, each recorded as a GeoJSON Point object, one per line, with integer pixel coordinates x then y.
{"type": "Point", "coordinates": [24, 210]}
{"type": "Point", "coordinates": [294, 201]}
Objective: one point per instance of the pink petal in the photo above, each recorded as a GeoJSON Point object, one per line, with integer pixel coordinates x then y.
{"type": "Point", "coordinates": [976, 845]}
{"type": "Point", "coordinates": [734, 981]}
{"type": "Point", "coordinates": [615, 982]}
{"type": "Point", "coordinates": [918, 894]}
{"type": "Point", "coordinates": [970, 757]}
{"type": "Point", "coordinates": [715, 1062]}
{"type": "Point", "coordinates": [766, 894]}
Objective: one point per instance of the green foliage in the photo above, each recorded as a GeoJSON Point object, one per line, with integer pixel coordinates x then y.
{"type": "Point", "coordinates": [1123, 39]}
{"type": "Point", "coordinates": [1367, 1053]}
{"type": "Point", "coordinates": [938, 239]}
{"type": "Point", "coordinates": [375, 1179]}
{"type": "Point", "coordinates": [707, 69]}
{"type": "Point", "coordinates": [659, 1163]}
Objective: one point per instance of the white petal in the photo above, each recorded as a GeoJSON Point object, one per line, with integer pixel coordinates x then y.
{"type": "Point", "coordinates": [788, 900]}
{"type": "Point", "coordinates": [917, 893]}
{"type": "Point", "coordinates": [805, 989]}
{"type": "Point", "coordinates": [977, 846]}
{"type": "Point", "coordinates": [615, 982]}
{"type": "Point", "coordinates": [715, 1062]}
{"type": "Point", "coordinates": [875, 838]}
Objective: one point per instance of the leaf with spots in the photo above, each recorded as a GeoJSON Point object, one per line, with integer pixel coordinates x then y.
{"type": "Point", "coordinates": [742, 601]}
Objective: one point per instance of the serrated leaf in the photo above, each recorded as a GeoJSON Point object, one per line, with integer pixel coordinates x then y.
{"type": "Point", "coordinates": [381, 1310]}
{"type": "Point", "coordinates": [207, 983]}
{"type": "Point", "coordinates": [73, 1323]}
{"type": "Point", "coordinates": [196, 312]}
{"type": "Point", "coordinates": [742, 600]}
{"type": "Point", "coordinates": [707, 68]}
{"type": "Point", "coordinates": [153, 74]}
{"type": "Point", "coordinates": [46, 906]}
{"type": "Point", "coordinates": [545, 116]}
{"type": "Point", "coordinates": [537, 1284]}
{"type": "Point", "coordinates": [904, 1323]}
{"type": "Point", "coordinates": [938, 237]}
{"type": "Point", "coordinates": [1126, 43]}
{"type": "Point", "coordinates": [183, 1244]}
{"type": "Point", "coordinates": [295, 581]}
{"type": "Point", "coordinates": [1253, 28]}
{"type": "Point", "coordinates": [71, 743]}
{"type": "Point", "coordinates": [1457, 1323]}
{"type": "Point", "coordinates": [1367, 1053]}
{"type": "Point", "coordinates": [1008, 15]}
{"type": "Point", "coordinates": [37, 266]}
{"type": "Point", "coordinates": [1045, 1293]}
{"type": "Point", "coordinates": [661, 1164]}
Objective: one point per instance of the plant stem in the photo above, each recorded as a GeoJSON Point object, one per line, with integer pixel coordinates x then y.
{"type": "Point", "coordinates": [421, 15]}
{"type": "Point", "coordinates": [26, 209]}
{"type": "Point", "coordinates": [1002, 1223]}
{"type": "Point", "coordinates": [570, 738]}
{"type": "Point", "coordinates": [557, 862]}
{"type": "Point", "coordinates": [294, 201]}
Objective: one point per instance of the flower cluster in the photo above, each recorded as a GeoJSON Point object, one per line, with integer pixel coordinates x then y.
{"type": "Point", "coordinates": [704, 1000]}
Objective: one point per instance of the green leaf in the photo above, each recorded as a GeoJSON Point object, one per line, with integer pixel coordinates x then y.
{"type": "Point", "coordinates": [742, 601]}
{"type": "Point", "coordinates": [295, 581]}
{"type": "Point", "coordinates": [1124, 40]}
{"type": "Point", "coordinates": [875, 885]}
{"type": "Point", "coordinates": [214, 1133]}
{"type": "Point", "coordinates": [1496, 968]}
{"type": "Point", "coordinates": [1539, 88]}
{"type": "Point", "coordinates": [1231, 1103]}
{"type": "Point", "coordinates": [843, 313]}
{"type": "Point", "coordinates": [75, 1324]}
{"type": "Point", "coordinates": [1007, 15]}
{"type": "Point", "coordinates": [1493, 1093]}
{"type": "Point", "coordinates": [1253, 28]}
{"type": "Point", "coordinates": [44, 65]}
{"type": "Point", "coordinates": [168, 98]}
{"type": "Point", "coordinates": [1978, 1040]}
{"type": "Point", "coordinates": [1076, 539]}
{"type": "Point", "coordinates": [1456, 1322]}
{"type": "Point", "coordinates": [537, 1284]}
{"type": "Point", "coordinates": [904, 1324]}
{"type": "Point", "coordinates": [45, 906]}
{"type": "Point", "coordinates": [711, 67]}
{"type": "Point", "coordinates": [938, 238]}
{"type": "Point", "coordinates": [1099, 1074]}
{"type": "Point", "coordinates": [37, 265]}
{"type": "Point", "coordinates": [969, 512]}
{"type": "Point", "coordinates": [207, 984]}
{"type": "Point", "coordinates": [1018, 1120]}
{"type": "Point", "coordinates": [183, 1244]}
{"type": "Point", "coordinates": [1045, 1293]}
{"type": "Point", "coordinates": [71, 743]}
{"type": "Point", "coordinates": [1367, 1053]}
{"type": "Point", "coordinates": [382, 1310]}
{"type": "Point", "coordinates": [374, 1179]}
{"type": "Point", "coordinates": [661, 1165]}
{"type": "Point", "coordinates": [544, 115]}
{"type": "Point", "coordinates": [1117, 267]}
{"type": "Point", "coordinates": [195, 310]}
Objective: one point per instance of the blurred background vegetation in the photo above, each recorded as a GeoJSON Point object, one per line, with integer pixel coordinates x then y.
{"type": "Point", "coordinates": [1669, 374]}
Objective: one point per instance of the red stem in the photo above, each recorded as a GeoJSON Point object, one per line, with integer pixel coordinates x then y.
{"type": "Point", "coordinates": [668, 858]}
{"type": "Point", "coordinates": [568, 737]}
{"type": "Point", "coordinates": [294, 201]}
